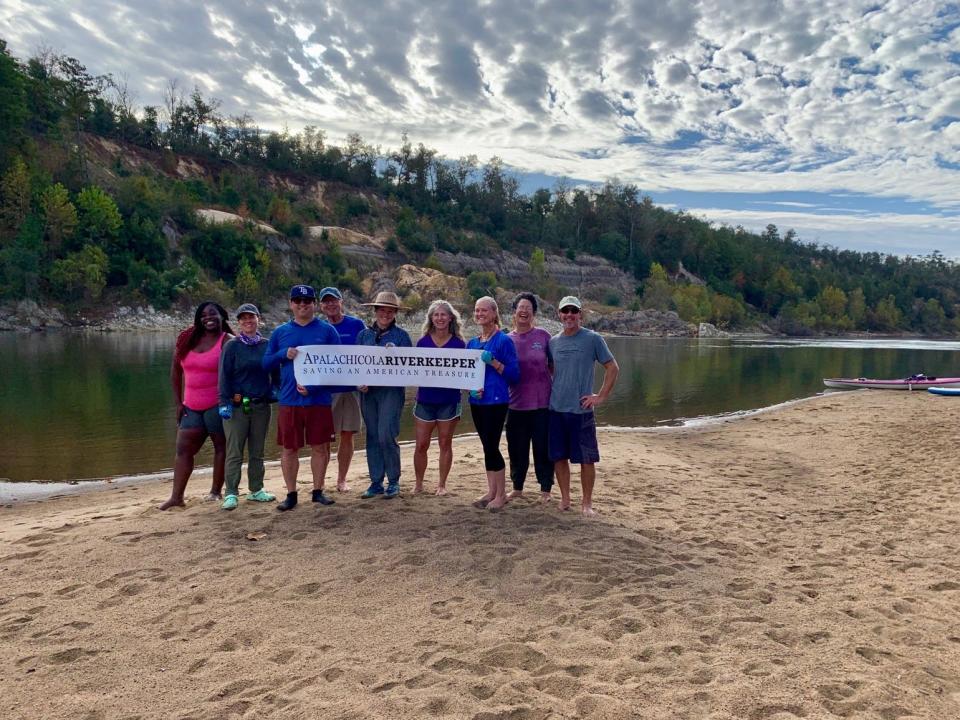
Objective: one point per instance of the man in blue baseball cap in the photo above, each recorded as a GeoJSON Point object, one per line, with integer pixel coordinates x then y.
{"type": "Point", "coordinates": [304, 416]}
{"type": "Point", "coordinates": [346, 400]}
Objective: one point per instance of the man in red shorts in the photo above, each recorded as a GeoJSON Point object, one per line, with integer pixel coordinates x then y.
{"type": "Point", "coordinates": [304, 417]}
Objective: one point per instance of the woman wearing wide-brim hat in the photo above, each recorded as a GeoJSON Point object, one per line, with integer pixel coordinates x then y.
{"type": "Point", "coordinates": [381, 406]}
{"type": "Point", "coordinates": [386, 299]}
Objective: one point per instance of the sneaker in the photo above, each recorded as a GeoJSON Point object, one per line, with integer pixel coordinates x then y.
{"type": "Point", "coordinates": [318, 497]}
{"type": "Point", "coordinates": [289, 504]}
{"type": "Point", "coordinates": [261, 496]}
{"type": "Point", "coordinates": [229, 503]}
{"type": "Point", "coordinates": [372, 491]}
{"type": "Point", "coordinates": [393, 489]}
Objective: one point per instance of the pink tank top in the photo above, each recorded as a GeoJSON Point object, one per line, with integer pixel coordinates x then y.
{"type": "Point", "coordinates": [200, 376]}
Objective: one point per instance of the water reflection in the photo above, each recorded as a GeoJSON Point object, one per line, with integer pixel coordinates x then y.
{"type": "Point", "coordinates": [96, 405]}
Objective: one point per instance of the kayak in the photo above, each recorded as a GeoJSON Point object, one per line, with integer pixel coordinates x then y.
{"type": "Point", "coordinates": [944, 390]}
{"type": "Point", "coordinates": [915, 382]}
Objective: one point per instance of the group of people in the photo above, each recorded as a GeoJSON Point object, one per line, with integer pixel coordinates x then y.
{"type": "Point", "coordinates": [539, 387]}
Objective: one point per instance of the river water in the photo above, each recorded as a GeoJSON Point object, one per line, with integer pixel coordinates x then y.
{"type": "Point", "coordinates": [87, 405]}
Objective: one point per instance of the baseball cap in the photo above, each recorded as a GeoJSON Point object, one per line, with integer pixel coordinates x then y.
{"type": "Point", "coordinates": [247, 308]}
{"type": "Point", "coordinates": [569, 301]}
{"type": "Point", "coordinates": [330, 291]}
{"type": "Point", "coordinates": [303, 291]}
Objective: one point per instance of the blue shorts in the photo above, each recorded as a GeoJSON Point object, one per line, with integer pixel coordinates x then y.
{"type": "Point", "coordinates": [208, 420]}
{"type": "Point", "coordinates": [573, 437]}
{"type": "Point", "coordinates": [436, 412]}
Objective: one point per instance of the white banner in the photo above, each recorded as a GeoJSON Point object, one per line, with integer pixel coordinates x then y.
{"type": "Point", "coordinates": [394, 366]}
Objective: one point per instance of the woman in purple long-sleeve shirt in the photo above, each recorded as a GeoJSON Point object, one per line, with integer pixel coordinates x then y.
{"type": "Point", "coordinates": [528, 418]}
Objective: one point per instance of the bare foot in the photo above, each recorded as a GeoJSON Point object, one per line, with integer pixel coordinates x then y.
{"type": "Point", "coordinates": [482, 502]}
{"type": "Point", "coordinates": [441, 490]}
{"type": "Point", "coordinates": [564, 505]}
{"type": "Point", "coordinates": [212, 497]}
{"type": "Point", "coordinates": [172, 503]}
{"type": "Point", "coordinates": [545, 498]}
{"type": "Point", "coordinates": [418, 488]}
{"type": "Point", "coordinates": [342, 486]}
{"type": "Point", "coordinates": [497, 503]}
{"type": "Point", "coordinates": [513, 494]}
{"type": "Point", "coordinates": [588, 511]}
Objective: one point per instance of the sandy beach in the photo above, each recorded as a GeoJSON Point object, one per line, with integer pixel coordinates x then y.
{"type": "Point", "coordinates": [801, 563]}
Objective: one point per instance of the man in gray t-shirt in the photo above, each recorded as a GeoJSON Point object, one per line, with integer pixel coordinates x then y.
{"type": "Point", "coordinates": [573, 428]}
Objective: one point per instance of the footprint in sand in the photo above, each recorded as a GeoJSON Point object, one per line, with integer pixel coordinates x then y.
{"type": "Point", "coordinates": [442, 608]}
{"type": "Point", "coordinates": [777, 712]}
{"type": "Point", "coordinates": [420, 681]}
{"type": "Point", "coordinates": [332, 674]}
{"type": "Point", "coordinates": [836, 691]}
{"type": "Point", "coordinates": [872, 655]}
{"type": "Point", "coordinates": [283, 657]}
{"type": "Point", "coordinates": [514, 655]}
{"type": "Point", "coordinates": [71, 655]}
{"type": "Point", "coordinates": [308, 588]}
{"type": "Point", "coordinates": [944, 586]}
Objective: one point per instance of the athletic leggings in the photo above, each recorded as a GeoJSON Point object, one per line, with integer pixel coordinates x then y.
{"type": "Point", "coordinates": [526, 427]}
{"type": "Point", "coordinates": [488, 419]}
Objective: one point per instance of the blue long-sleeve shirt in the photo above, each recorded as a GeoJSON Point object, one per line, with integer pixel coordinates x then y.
{"type": "Point", "coordinates": [496, 386]}
{"type": "Point", "coordinates": [288, 335]}
{"type": "Point", "coordinates": [348, 328]}
{"type": "Point", "coordinates": [393, 336]}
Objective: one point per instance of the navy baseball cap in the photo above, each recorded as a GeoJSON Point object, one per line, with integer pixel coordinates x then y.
{"type": "Point", "coordinates": [303, 291]}
{"type": "Point", "coordinates": [330, 291]}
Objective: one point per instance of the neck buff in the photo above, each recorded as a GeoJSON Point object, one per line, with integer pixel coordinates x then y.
{"type": "Point", "coordinates": [378, 333]}
{"type": "Point", "coordinates": [255, 340]}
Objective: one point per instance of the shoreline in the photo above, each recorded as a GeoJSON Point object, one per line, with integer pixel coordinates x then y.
{"type": "Point", "coordinates": [33, 490]}
{"type": "Point", "coordinates": [415, 327]}
{"type": "Point", "coordinates": [800, 562]}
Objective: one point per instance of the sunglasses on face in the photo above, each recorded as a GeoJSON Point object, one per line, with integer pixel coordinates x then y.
{"type": "Point", "coordinates": [569, 311]}
{"type": "Point", "coordinates": [302, 301]}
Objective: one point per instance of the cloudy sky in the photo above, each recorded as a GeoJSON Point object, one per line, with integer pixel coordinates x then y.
{"type": "Point", "coordinates": [838, 119]}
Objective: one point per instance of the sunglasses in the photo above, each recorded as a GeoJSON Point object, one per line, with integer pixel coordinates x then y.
{"type": "Point", "coordinates": [569, 311]}
{"type": "Point", "coordinates": [302, 301]}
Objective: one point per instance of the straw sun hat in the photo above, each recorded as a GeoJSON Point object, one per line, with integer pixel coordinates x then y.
{"type": "Point", "coordinates": [386, 299]}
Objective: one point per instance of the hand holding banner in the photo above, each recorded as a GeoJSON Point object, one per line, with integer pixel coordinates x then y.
{"type": "Point", "coordinates": [388, 366]}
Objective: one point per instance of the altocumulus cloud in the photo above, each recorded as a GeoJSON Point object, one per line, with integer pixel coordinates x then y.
{"type": "Point", "coordinates": [754, 96]}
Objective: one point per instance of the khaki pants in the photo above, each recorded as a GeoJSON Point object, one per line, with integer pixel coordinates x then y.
{"type": "Point", "coordinates": [250, 431]}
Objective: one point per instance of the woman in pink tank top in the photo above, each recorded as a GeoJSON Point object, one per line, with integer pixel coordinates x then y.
{"type": "Point", "coordinates": [193, 375]}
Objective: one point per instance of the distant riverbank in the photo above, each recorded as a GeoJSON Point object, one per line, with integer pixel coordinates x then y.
{"type": "Point", "coordinates": [28, 316]}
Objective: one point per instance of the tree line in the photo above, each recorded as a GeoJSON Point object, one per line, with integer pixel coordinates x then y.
{"type": "Point", "coordinates": [72, 231]}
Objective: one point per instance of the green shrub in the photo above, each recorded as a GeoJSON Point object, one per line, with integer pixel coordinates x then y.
{"type": "Point", "coordinates": [414, 301]}
{"type": "Point", "coordinates": [80, 275]}
{"type": "Point", "coordinates": [351, 206]}
{"type": "Point", "coordinates": [350, 280]}
{"type": "Point", "coordinates": [612, 298]}
{"type": "Point", "coordinates": [480, 283]}
{"type": "Point", "coordinates": [222, 248]}
{"type": "Point", "coordinates": [246, 288]}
